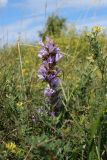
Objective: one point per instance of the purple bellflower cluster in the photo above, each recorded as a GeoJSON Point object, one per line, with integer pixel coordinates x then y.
{"type": "Point", "coordinates": [48, 72]}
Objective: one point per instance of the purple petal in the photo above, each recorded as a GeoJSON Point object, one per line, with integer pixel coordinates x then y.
{"type": "Point", "coordinates": [50, 45]}
{"type": "Point", "coordinates": [58, 56]}
{"type": "Point", "coordinates": [47, 39]}
{"type": "Point", "coordinates": [41, 44]}
{"type": "Point", "coordinates": [42, 72]}
{"type": "Point", "coordinates": [57, 50]}
{"type": "Point", "coordinates": [45, 63]}
{"type": "Point", "coordinates": [55, 82]}
{"type": "Point", "coordinates": [51, 59]}
{"type": "Point", "coordinates": [51, 76]}
{"type": "Point", "coordinates": [48, 92]}
{"type": "Point", "coordinates": [43, 53]}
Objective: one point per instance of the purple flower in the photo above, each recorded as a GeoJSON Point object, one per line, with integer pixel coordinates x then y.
{"type": "Point", "coordinates": [48, 92]}
{"type": "Point", "coordinates": [58, 56]}
{"type": "Point", "coordinates": [48, 72]}
{"type": "Point", "coordinates": [51, 76]}
{"type": "Point", "coordinates": [46, 64]}
{"type": "Point", "coordinates": [50, 45]}
{"type": "Point", "coordinates": [43, 53]}
{"type": "Point", "coordinates": [41, 44]}
{"type": "Point", "coordinates": [42, 73]}
{"type": "Point", "coordinates": [51, 59]}
{"type": "Point", "coordinates": [55, 82]}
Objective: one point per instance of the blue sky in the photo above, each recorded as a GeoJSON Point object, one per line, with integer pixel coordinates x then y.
{"type": "Point", "coordinates": [25, 18]}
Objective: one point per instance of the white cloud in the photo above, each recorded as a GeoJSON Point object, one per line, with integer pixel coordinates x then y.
{"type": "Point", "coordinates": [3, 3]}
{"type": "Point", "coordinates": [41, 5]}
{"type": "Point", "coordinates": [82, 3]}
{"type": "Point", "coordinates": [27, 29]}
{"type": "Point", "coordinates": [91, 22]}
{"type": "Point", "coordinates": [46, 7]}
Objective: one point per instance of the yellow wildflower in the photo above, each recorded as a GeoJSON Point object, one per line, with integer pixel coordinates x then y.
{"type": "Point", "coordinates": [97, 29]}
{"type": "Point", "coordinates": [11, 147]}
{"type": "Point", "coordinates": [25, 71]}
{"type": "Point", "coordinates": [20, 104]}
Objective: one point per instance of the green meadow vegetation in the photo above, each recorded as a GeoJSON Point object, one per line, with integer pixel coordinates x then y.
{"type": "Point", "coordinates": [79, 132]}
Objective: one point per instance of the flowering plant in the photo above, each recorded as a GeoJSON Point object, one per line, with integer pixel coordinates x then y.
{"type": "Point", "coordinates": [48, 72]}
